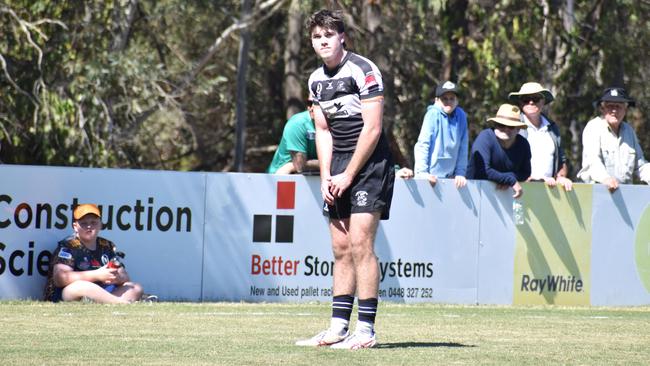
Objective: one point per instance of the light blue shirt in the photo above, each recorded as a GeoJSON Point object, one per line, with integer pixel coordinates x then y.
{"type": "Point", "coordinates": [442, 146]}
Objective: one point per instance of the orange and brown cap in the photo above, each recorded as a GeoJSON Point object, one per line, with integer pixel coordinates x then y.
{"type": "Point", "coordinates": [85, 209]}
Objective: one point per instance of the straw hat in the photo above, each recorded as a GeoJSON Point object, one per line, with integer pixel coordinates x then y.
{"type": "Point", "coordinates": [531, 89]}
{"type": "Point", "coordinates": [508, 115]}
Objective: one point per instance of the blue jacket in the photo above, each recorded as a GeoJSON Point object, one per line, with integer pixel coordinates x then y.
{"type": "Point", "coordinates": [441, 149]}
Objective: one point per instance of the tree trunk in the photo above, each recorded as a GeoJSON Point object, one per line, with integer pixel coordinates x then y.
{"type": "Point", "coordinates": [372, 19]}
{"type": "Point", "coordinates": [454, 16]}
{"type": "Point", "coordinates": [123, 22]}
{"type": "Point", "coordinates": [293, 95]}
{"type": "Point", "coordinates": [240, 111]}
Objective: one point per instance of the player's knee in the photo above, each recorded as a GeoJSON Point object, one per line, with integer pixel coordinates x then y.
{"type": "Point", "coordinates": [136, 289]}
{"type": "Point", "coordinates": [76, 290]}
{"type": "Point", "coordinates": [341, 249]}
{"type": "Point", "coordinates": [362, 250]}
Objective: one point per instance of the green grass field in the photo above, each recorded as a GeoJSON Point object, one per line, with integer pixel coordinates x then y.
{"type": "Point", "coordinates": [35, 333]}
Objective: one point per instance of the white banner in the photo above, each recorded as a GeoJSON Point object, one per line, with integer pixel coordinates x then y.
{"type": "Point", "coordinates": [258, 237]}
{"type": "Point", "coordinates": [620, 260]}
{"type": "Point", "coordinates": [155, 217]}
{"type": "Point", "coordinates": [267, 240]}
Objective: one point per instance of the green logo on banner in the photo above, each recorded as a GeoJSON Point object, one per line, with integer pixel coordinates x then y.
{"type": "Point", "coordinates": [642, 248]}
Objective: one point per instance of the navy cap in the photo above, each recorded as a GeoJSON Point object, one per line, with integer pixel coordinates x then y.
{"type": "Point", "coordinates": [616, 95]}
{"type": "Point", "coordinates": [446, 87]}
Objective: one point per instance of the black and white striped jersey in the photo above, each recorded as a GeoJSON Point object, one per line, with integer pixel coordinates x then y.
{"type": "Point", "coordinates": [339, 92]}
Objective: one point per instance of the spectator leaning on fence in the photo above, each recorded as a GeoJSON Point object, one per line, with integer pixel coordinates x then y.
{"type": "Point", "coordinates": [548, 162]}
{"type": "Point", "coordinates": [500, 154]}
{"type": "Point", "coordinates": [611, 153]}
{"type": "Point", "coordinates": [296, 152]}
{"type": "Point", "coordinates": [442, 146]}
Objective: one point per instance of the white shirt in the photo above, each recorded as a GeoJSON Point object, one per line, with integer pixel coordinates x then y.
{"type": "Point", "coordinates": [542, 148]}
{"type": "Point", "coordinates": [605, 154]}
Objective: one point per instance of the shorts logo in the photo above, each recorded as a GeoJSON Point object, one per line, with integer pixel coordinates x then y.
{"type": "Point", "coordinates": [362, 198]}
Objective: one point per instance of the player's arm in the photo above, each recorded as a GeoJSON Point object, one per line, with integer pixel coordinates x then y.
{"type": "Point", "coordinates": [371, 112]}
{"type": "Point", "coordinates": [324, 147]}
{"type": "Point", "coordinates": [64, 275]}
{"type": "Point", "coordinates": [122, 276]}
{"type": "Point", "coordinates": [299, 162]}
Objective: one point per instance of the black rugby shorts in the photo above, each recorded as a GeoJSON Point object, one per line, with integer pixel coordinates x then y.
{"type": "Point", "coordinates": [371, 189]}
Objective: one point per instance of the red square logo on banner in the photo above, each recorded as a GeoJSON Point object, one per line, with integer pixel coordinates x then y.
{"type": "Point", "coordinates": [286, 195]}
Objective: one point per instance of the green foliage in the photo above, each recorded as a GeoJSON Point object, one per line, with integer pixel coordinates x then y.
{"type": "Point", "coordinates": [82, 86]}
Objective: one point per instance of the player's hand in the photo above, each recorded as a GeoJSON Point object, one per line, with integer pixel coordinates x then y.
{"type": "Point", "coordinates": [550, 181]}
{"type": "Point", "coordinates": [325, 184]}
{"type": "Point", "coordinates": [107, 275]}
{"type": "Point", "coordinates": [404, 173]}
{"type": "Point", "coordinates": [565, 182]}
{"type": "Point", "coordinates": [122, 276]}
{"type": "Point", "coordinates": [339, 183]}
{"type": "Point", "coordinates": [460, 181]}
{"type": "Point", "coordinates": [432, 180]}
{"type": "Point", "coordinates": [502, 187]}
{"type": "Point", "coordinates": [519, 190]}
{"type": "Point", "coordinates": [611, 183]}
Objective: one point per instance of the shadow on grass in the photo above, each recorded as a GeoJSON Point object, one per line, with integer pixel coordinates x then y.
{"type": "Point", "coordinates": [422, 344]}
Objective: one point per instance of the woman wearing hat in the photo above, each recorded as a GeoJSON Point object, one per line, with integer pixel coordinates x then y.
{"type": "Point", "coordinates": [500, 154]}
{"type": "Point", "coordinates": [611, 153]}
{"type": "Point", "coordinates": [548, 162]}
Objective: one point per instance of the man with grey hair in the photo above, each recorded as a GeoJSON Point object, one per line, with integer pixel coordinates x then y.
{"type": "Point", "coordinates": [611, 153]}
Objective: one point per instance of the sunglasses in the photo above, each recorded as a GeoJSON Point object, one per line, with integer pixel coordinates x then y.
{"type": "Point", "coordinates": [504, 127]}
{"type": "Point", "coordinates": [531, 98]}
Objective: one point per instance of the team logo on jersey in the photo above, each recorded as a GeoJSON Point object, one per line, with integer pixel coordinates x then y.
{"type": "Point", "coordinates": [65, 254]}
{"type": "Point", "coordinates": [104, 259]}
{"type": "Point", "coordinates": [362, 198]}
{"type": "Point", "coordinates": [330, 85]}
{"type": "Point", "coordinates": [335, 110]}
{"type": "Point", "coordinates": [340, 85]}
{"type": "Point", "coordinates": [319, 89]}
{"type": "Point", "coordinates": [84, 265]}
{"type": "Point", "coordinates": [370, 79]}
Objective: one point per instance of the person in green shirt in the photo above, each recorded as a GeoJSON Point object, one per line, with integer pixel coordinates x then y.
{"type": "Point", "coordinates": [296, 152]}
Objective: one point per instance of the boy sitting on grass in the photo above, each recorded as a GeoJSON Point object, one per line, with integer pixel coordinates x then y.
{"type": "Point", "coordinates": [85, 265]}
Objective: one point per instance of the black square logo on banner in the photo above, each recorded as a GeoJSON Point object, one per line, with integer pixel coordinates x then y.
{"type": "Point", "coordinates": [284, 229]}
{"type": "Point", "coordinates": [262, 228]}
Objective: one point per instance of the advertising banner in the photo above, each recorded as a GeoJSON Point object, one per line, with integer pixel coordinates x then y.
{"type": "Point", "coordinates": [620, 257]}
{"type": "Point", "coordinates": [267, 240]}
{"type": "Point", "coordinates": [260, 237]}
{"type": "Point", "coordinates": [553, 246]}
{"type": "Point", "coordinates": [154, 217]}
{"type": "Point", "coordinates": [496, 245]}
